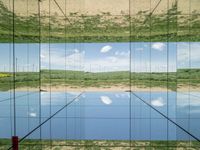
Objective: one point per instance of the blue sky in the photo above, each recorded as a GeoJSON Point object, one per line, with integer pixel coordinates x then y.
{"type": "Point", "coordinates": [100, 57]}
{"type": "Point", "coordinates": [103, 57]}
{"type": "Point", "coordinates": [27, 57]}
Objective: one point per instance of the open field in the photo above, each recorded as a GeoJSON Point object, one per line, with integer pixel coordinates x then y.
{"type": "Point", "coordinates": [101, 144]}
{"type": "Point", "coordinates": [173, 24]}
{"type": "Point", "coordinates": [60, 80]}
{"type": "Point", "coordinates": [3, 75]}
{"type": "Point", "coordinates": [115, 7]}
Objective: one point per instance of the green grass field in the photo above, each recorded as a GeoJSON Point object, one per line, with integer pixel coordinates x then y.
{"type": "Point", "coordinates": [103, 27]}
{"type": "Point", "coordinates": [79, 79]}
{"type": "Point", "coordinates": [101, 144]}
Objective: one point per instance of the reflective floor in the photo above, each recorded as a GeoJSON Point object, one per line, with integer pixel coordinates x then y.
{"type": "Point", "coordinates": [104, 116]}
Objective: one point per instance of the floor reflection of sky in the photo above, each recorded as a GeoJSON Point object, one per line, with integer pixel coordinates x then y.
{"type": "Point", "coordinates": [105, 115]}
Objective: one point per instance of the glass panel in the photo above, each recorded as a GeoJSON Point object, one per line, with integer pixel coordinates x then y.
{"type": "Point", "coordinates": [85, 74]}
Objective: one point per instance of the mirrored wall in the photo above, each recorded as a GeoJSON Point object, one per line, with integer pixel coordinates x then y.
{"type": "Point", "coordinates": [107, 74]}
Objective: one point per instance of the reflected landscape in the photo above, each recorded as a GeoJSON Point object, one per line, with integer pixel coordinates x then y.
{"type": "Point", "coordinates": [106, 116]}
{"type": "Point", "coordinates": [99, 75]}
{"type": "Point", "coordinates": [131, 94]}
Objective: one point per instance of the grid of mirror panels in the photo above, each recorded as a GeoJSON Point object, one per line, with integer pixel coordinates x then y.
{"type": "Point", "coordinates": [106, 74]}
{"type": "Point", "coordinates": [20, 68]}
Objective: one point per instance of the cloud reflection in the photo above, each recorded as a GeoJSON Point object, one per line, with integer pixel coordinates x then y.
{"type": "Point", "coordinates": [106, 100]}
{"type": "Point", "coordinates": [159, 102]}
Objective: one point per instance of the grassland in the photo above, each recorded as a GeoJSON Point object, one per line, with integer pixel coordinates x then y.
{"type": "Point", "coordinates": [101, 144]}
{"type": "Point", "coordinates": [171, 25]}
{"type": "Point", "coordinates": [3, 75]}
{"type": "Point", "coordinates": [78, 79]}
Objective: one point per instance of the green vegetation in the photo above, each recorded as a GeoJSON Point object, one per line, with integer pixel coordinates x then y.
{"type": "Point", "coordinates": [103, 27]}
{"type": "Point", "coordinates": [22, 79]}
{"type": "Point", "coordinates": [2, 75]}
{"type": "Point", "coordinates": [101, 144]}
{"type": "Point", "coordinates": [79, 79]}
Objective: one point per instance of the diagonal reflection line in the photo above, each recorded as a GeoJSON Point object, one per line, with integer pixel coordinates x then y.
{"type": "Point", "coordinates": [11, 98]}
{"type": "Point", "coordinates": [155, 7]}
{"type": "Point", "coordinates": [196, 138]}
{"type": "Point", "coordinates": [62, 12]}
{"type": "Point", "coordinates": [151, 13]}
{"type": "Point", "coordinates": [32, 131]}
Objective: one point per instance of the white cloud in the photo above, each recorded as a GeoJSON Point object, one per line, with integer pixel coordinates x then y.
{"type": "Point", "coordinates": [158, 46]}
{"type": "Point", "coordinates": [106, 49]}
{"type": "Point", "coordinates": [159, 102]}
{"type": "Point", "coordinates": [42, 56]}
{"type": "Point", "coordinates": [106, 100]}
{"type": "Point", "coordinates": [32, 114]}
{"type": "Point", "coordinates": [76, 51]}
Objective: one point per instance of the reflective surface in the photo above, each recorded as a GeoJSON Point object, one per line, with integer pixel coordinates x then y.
{"type": "Point", "coordinates": [106, 116]}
